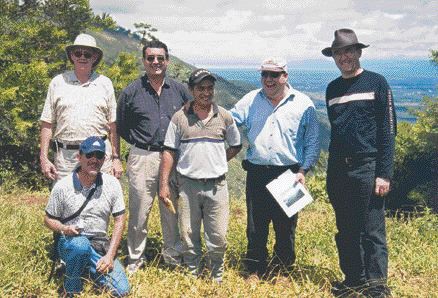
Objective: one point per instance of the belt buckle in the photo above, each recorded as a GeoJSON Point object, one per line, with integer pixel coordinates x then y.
{"type": "Point", "coordinates": [348, 160]}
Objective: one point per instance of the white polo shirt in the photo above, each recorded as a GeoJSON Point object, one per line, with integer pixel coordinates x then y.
{"type": "Point", "coordinates": [68, 195]}
{"type": "Point", "coordinates": [77, 111]}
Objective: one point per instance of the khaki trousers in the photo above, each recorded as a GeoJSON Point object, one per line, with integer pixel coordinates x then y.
{"type": "Point", "coordinates": [143, 175]}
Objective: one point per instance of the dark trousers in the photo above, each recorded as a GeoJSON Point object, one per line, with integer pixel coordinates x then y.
{"type": "Point", "coordinates": [360, 219]}
{"type": "Point", "coordinates": [261, 210]}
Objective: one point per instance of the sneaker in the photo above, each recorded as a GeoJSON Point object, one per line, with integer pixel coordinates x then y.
{"type": "Point", "coordinates": [343, 289]}
{"type": "Point", "coordinates": [380, 291]}
{"type": "Point", "coordinates": [133, 267]}
{"type": "Point", "coordinates": [253, 278]}
{"type": "Point", "coordinates": [217, 280]}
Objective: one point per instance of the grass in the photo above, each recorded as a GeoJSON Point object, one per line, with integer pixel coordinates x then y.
{"type": "Point", "coordinates": [413, 271]}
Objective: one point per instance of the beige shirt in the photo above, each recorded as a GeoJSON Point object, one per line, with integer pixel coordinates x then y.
{"type": "Point", "coordinates": [77, 111]}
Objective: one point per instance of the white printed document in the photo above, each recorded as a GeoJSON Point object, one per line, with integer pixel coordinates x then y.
{"type": "Point", "coordinates": [292, 196]}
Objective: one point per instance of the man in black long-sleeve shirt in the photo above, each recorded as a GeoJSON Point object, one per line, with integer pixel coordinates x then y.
{"type": "Point", "coordinates": [363, 127]}
{"type": "Point", "coordinates": [144, 111]}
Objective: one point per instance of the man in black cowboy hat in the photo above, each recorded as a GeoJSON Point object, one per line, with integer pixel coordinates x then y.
{"type": "Point", "coordinates": [80, 103]}
{"type": "Point", "coordinates": [362, 116]}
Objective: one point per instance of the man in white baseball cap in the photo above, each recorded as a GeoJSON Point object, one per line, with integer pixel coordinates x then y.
{"type": "Point", "coordinates": [282, 131]}
{"type": "Point", "coordinates": [80, 103]}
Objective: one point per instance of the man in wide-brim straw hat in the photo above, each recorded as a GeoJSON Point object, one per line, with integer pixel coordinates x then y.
{"type": "Point", "coordinates": [363, 127]}
{"type": "Point", "coordinates": [80, 103]}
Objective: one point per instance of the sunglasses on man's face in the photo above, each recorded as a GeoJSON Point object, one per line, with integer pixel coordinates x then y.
{"type": "Point", "coordinates": [80, 53]}
{"type": "Point", "coordinates": [272, 74]}
{"type": "Point", "coordinates": [151, 59]}
{"type": "Point", "coordinates": [98, 154]}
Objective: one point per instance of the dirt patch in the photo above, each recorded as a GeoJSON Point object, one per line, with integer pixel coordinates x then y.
{"type": "Point", "coordinates": [33, 199]}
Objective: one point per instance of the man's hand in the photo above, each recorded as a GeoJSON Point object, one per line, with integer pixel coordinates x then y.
{"type": "Point", "coordinates": [300, 178]}
{"type": "Point", "coordinates": [117, 168]}
{"type": "Point", "coordinates": [382, 186]}
{"type": "Point", "coordinates": [164, 195]}
{"type": "Point", "coordinates": [70, 230]}
{"type": "Point", "coordinates": [48, 168]}
{"type": "Point", "coordinates": [105, 264]}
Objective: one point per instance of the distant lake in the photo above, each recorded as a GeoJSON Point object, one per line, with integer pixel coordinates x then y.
{"type": "Point", "coordinates": [410, 80]}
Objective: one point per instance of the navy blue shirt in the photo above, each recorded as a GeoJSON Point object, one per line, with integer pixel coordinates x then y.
{"type": "Point", "coordinates": [143, 116]}
{"type": "Point", "coordinates": [362, 117]}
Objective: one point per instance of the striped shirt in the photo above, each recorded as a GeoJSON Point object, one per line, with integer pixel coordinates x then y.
{"type": "Point", "coordinates": [68, 195]}
{"type": "Point", "coordinates": [363, 121]}
{"type": "Point", "coordinates": [201, 145]}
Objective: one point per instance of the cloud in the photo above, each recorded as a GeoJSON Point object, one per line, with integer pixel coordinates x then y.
{"type": "Point", "coordinates": [247, 31]}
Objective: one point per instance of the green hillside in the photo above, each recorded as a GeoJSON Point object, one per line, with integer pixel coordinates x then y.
{"type": "Point", "coordinates": [227, 92]}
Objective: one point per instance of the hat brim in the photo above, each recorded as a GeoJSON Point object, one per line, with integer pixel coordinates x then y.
{"type": "Point", "coordinates": [69, 48]}
{"type": "Point", "coordinates": [328, 51]}
{"type": "Point", "coordinates": [273, 69]}
{"type": "Point", "coordinates": [203, 77]}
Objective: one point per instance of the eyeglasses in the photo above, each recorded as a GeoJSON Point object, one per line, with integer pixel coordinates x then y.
{"type": "Point", "coordinates": [98, 154]}
{"type": "Point", "coordinates": [348, 51]}
{"type": "Point", "coordinates": [85, 53]}
{"type": "Point", "coordinates": [151, 59]}
{"type": "Point", "coordinates": [272, 74]}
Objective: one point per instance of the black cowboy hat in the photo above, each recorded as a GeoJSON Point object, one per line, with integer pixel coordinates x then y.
{"type": "Point", "coordinates": [343, 38]}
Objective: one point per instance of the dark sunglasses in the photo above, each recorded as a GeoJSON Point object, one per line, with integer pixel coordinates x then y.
{"type": "Point", "coordinates": [152, 58]}
{"type": "Point", "coordinates": [97, 154]}
{"type": "Point", "coordinates": [272, 74]}
{"type": "Point", "coordinates": [80, 53]}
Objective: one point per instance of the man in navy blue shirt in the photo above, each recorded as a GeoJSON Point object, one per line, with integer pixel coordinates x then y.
{"type": "Point", "coordinates": [362, 117]}
{"type": "Point", "coordinates": [144, 111]}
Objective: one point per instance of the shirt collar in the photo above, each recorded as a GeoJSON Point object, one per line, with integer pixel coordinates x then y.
{"type": "Point", "coordinates": [71, 78]}
{"type": "Point", "coordinates": [188, 107]}
{"type": "Point", "coordinates": [165, 81]}
{"type": "Point", "coordinates": [290, 94]}
{"type": "Point", "coordinates": [77, 183]}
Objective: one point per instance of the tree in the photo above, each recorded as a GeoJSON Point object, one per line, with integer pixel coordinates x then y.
{"type": "Point", "coordinates": [145, 32]}
{"type": "Point", "coordinates": [416, 164]}
{"type": "Point", "coordinates": [33, 34]}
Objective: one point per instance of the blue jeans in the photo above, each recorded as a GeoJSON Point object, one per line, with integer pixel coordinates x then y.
{"type": "Point", "coordinates": [360, 220]}
{"type": "Point", "coordinates": [80, 258]}
{"type": "Point", "coordinates": [262, 208]}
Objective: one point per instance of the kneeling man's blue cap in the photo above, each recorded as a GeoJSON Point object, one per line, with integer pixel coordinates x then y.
{"type": "Point", "coordinates": [92, 144]}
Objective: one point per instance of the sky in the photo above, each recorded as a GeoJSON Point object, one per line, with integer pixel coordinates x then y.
{"type": "Point", "coordinates": [242, 33]}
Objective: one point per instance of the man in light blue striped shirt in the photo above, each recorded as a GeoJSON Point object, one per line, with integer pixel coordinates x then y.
{"type": "Point", "coordinates": [282, 132]}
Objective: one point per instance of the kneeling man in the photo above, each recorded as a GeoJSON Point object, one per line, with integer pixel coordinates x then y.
{"type": "Point", "coordinates": [197, 135]}
{"type": "Point", "coordinates": [83, 244]}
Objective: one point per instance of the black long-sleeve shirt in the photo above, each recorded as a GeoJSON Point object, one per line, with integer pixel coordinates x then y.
{"type": "Point", "coordinates": [143, 116]}
{"type": "Point", "coordinates": [362, 116]}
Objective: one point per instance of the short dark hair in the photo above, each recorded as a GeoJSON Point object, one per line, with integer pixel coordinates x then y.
{"type": "Point", "coordinates": [155, 44]}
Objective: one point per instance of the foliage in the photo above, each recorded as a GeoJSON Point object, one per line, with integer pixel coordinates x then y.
{"type": "Point", "coordinates": [26, 244]}
{"type": "Point", "coordinates": [33, 35]}
{"type": "Point", "coordinates": [145, 32]}
{"type": "Point", "coordinates": [434, 56]}
{"type": "Point", "coordinates": [416, 161]}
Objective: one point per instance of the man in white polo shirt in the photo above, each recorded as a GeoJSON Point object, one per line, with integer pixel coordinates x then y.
{"type": "Point", "coordinates": [79, 209]}
{"type": "Point", "coordinates": [197, 135]}
{"type": "Point", "coordinates": [80, 103]}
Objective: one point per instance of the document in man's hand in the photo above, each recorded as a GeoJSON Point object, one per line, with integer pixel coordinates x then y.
{"type": "Point", "coordinates": [292, 196]}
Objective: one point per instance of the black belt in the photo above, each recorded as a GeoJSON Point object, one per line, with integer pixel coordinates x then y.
{"type": "Point", "coordinates": [150, 147]}
{"type": "Point", "coordinates": [205, 180]}
{"type": "Point", "coordinates": [55, 144]}
{"type": "Point", "coordinates": [353, 159]}
{"type": "Point", "coordinates": [248, 166]}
